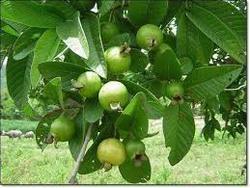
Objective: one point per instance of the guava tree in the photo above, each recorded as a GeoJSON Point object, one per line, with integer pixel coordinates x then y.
{"type": "Point", "coordinates": [99, 70]}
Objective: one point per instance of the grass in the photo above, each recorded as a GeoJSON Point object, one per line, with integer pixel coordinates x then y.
{"type": "Point", "coordinates": [217, 162]}
{"type": "Point", "coordinates": [21, 125]}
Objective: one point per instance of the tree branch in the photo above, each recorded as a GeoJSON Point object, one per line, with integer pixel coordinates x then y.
{"type": "Point", "coordinates": [72, 179]}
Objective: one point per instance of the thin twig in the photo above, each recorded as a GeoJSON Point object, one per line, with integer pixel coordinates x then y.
{"type": "Point", "coordinates": [72, 179]}
{"type": "Point", "coordinates": [235, 89]}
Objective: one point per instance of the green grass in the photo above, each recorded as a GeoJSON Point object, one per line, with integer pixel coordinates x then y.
{"type": "Point", "coordinates": [217, 162]}
{"type": "Point", "coordinates": [21, 125]}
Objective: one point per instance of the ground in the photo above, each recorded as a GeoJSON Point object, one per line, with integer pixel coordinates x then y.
{"type": "Point", "coordinates": [216, 162]}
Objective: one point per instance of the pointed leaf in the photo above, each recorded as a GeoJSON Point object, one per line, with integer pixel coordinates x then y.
{"type": "Point", "coordinates": [72, 34]}
{"type": "Point", "coordinates": [29, 13]}
{"type": "Point", "coordinates": [45, 50]}
{"type": "Point", "coordinates": [178, 129]}
{"type": "Point", "coordinates": [207, 82]}
{"type": "Point", "coordinates": [222, 24]}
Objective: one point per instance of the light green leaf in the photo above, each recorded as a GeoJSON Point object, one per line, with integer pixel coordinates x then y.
{"type": "Point", "coordinates": [29, 13]}
{"type": "Point", "coordinates": [45, 50]}
{"type": "Point", "coordinates": [72, 34]}
{"type": "Point", "coordinates": [223, 24]}
{"type": "Point", "coordinates": [207, 82]}
{"type": "Point", "coordinates": [92, 110]}
{"type": "Point", "coordinates": [178, 129]}
{"type": "Point", "coordinates": [96, 60]}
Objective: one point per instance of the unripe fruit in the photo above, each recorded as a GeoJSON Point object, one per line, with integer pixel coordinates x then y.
{"type": "Point", "coordinates": [62, 129]}
{"type": "Point", "coordinates": [113, 95]}
{"type": "Point", "coordinates": [149, 37]}
{"type": "Point", "coordinates": [135, 148]}
{"type": "Point", "coordinates": [175, 91]}
{"type": "Point", "coordinates": [111, 151]}
{"type": "Point", "coordinates": [108, 31]}
{"type": "Point", "coordinates": [91, 84]}
{"type": "Point", "coordinates": [118, 59]}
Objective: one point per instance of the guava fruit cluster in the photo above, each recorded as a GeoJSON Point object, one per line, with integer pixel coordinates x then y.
{"type": "Point", "coordinates": [113, 95]}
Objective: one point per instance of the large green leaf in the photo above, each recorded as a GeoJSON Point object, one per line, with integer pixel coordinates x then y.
{"type": "Point", "coordinates": [72, 34]}
{"type": "Point", "coordinates": [138, 61]}
{"type": "Point", "coordinates": [166, 65]}
{"type": "Point", "coordinates": [136, 174]}
{"type": "Point", "coordinates": [18, 79]}
{"type": "Point", "coordinates": [133, 118]}
{"type": "Point", "coordinates": [192, 43]}
{"type": "Point", "coordinates": [147, 11]}
{"type": "Point", "coordinates": [207, 82]}
{"type": "Point", "coordinates": [178, 129]}
{"type": "Point", "coordinates": [223, 24]}
{"type": "Point", "coordinates": [45, 50]}
{"type": "Point", "coordinates": [25, 43]}
{"type": "Point", "coordinates": [29, 13]}
{"type": "Point", "coordinates": [96, 60]}
{"type": "Point", "coordinates": [67, 71]}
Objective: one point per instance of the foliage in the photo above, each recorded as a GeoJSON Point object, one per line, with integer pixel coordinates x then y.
{"type": "Point", "coordinates": [65, 41]}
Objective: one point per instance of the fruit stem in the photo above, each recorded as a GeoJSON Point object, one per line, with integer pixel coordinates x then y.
{"type": "Point", "coordinates": [125, 49]}
{"type": "Point", "coordinates": [72, 179]}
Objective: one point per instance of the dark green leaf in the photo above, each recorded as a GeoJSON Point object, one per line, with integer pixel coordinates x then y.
{"type": "Point", "coordinates": [223, 24]}
{"type": "Point", "coordinates": [72, 34]}
{"type": "Point", "coordinates": [192, 43]}
{"type": "Point", "coordinates": [134, 174]}
{"type": "Point", "coordinates": [92, 110]}
{"type": "Point", "coordinates": [166, 65]}
{"type": "Point", "coordinates": [174, 7]}
{"type": "Point", "coordinates": [178, 129]}
{"type": "Point", "coordinates": [120, 39]}
{"type": "Point", "coordinates": [45, 50]}
{"type": "Point", "coordinates": [207, 82]}
{"type": "Point", "coordinates": [106, 6]}
{"type": "Point", "coordinates": [138, 61]}
{"type": "Point", "coordinates": [96, 60]}
{"type": "Point", "coordinates": [147, 12]}
{"type": "Point", "coordinates": [133, 118]}
{"type": "Point", "coordinates": [29, 13]}
{"type": "Point", "coordinates": [67, 71]}
{"type": "Point", "coordinates": [18, 79]}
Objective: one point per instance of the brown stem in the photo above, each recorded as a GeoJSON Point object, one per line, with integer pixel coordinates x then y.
{"type": "Point", "coordinates": [72, 179]}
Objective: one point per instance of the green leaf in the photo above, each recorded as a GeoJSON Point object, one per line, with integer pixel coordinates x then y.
{"type": "Point", "coordinates": [174, 7]}
{"type": "Point", "coordinates": [133, 118]}
{"type": "Point", "coordinates": [223, 24]}
{"type": "Point", "coordinates": [92, 110]}
{"type": "Point", "coordinates": [29, 13]}
{"type": "Point", "coordinates": [53, 91]}
{"type": "Point", "coordinates": [96, 60]}
{"type": "Point", "coordinates": [18, 79]}
{"type": "Point", "coordinates": [147, 12]}
{"type": "Point", "coordinates": [75, 144]}
{"type": "Point", "coordinates": [178, 129]}
{"type": "Point", "coordinates": [67, 72]}
{"type": "Point", "coordinates": [134, 174]}
{"type": "Point", "coordinates": [25, 44]}
{"type": "Point", "coordinates": [139, 60]}
{"type": "Point", "coordinates": [192, 43]}
{"type": "Point", "coordinates": [45, 50]}
{"type": "Point", "coordinates": [120, 39]}
{"type": "Point", "coordinates": [153, 107]}
{"type": "Point", "coordinates": [106, 6]}
{"type": "Point", "coordinates": [72, 34]}
{"type": "Point", "coordinates": [207, 82]}
{"type": "Point", "coordinates": [166, 65]}
{"type": "Point", "coordinates": [90, 161]}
